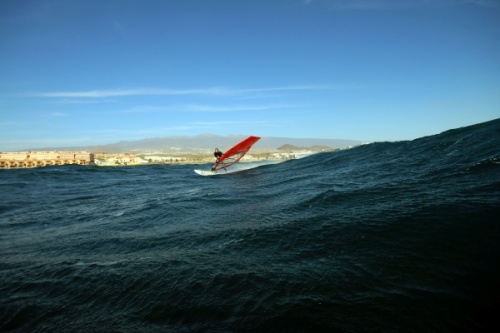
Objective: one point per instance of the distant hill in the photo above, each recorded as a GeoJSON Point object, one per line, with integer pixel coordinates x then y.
{"type": "Point", "coordinates": [291, 147]}
{"type": "Point", "coordinates": [206, 142]}
{"type": "Point", "coordinates": [288, 147]}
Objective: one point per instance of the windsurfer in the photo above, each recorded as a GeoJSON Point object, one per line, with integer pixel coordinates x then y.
{"type": "Point", "coordinates": [217, 154]}
{"type": "Point", "coordinates": [231, 156]}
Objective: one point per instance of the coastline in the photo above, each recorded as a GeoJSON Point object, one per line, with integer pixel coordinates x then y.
{"type": "Point", "coordinates": [35, 159]}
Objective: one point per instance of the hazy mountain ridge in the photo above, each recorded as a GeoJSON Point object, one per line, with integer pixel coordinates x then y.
{"type": "Point", "coordinates": [315, 147]}
{"type": "Point", "coordinates": [205, 142]}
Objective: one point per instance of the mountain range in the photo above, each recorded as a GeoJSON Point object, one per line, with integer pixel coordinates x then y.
{"type": "Point", "coordinates": [205, 142]}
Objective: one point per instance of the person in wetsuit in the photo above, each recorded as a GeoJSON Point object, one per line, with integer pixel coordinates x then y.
{"type": "Point", "coordinates": [217, 154]}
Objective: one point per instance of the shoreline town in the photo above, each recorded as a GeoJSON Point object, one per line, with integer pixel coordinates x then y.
{"type": "Point", "coordinates": [33, 159]}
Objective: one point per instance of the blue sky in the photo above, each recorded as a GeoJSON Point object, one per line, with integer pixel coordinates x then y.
{"type": "Point", "coordinates": [97, 72]}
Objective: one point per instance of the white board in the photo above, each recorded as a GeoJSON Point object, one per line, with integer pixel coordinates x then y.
{"type": "Point", "coordinates": [206, 172]}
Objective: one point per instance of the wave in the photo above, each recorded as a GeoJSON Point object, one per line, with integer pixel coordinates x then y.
{"type": "Point", "coordinates": [381, 237]}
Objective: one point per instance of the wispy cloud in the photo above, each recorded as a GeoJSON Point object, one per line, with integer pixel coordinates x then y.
{"type": "Point", "coordinates": [185, 128]}
{"type": "Point", "coordinates": [211, 125]}
{"type": "Point", "coordinates": [216, 91]}
{"type": "Point", "coordinates": [10, 124]}
{"type": "Point", "coordinates": [58, 114]}
{"type": "Point", "coordinates": [403, 4]}
{"type": "Point", "coordinates": [483, 3]}
{"type": "Point", "coordinates": [289, 88]}
{"type": "Point", "coordinates": [375, 4]}
{"type": "Point", "coordinates": [126, 92]}
{"type": "Point", "coordinates": [119, 28]}
{"type": "Point", "coordinates": [236, 108]}
{"type": "Point", "coordinates": [211, 108]}
{"type": "Point", "coordinates": [192, 128]}
{"type": "Point", "coordinates": [84, 101]}
{"type": "Point", "coordinates": [146, 109]}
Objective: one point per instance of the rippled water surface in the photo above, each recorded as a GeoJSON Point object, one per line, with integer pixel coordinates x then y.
{"type": "Point", "coordinates": [384, 237]}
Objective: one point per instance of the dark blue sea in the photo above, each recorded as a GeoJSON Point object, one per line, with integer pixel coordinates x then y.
{"type": "Point", "coordinates": [385, 237]}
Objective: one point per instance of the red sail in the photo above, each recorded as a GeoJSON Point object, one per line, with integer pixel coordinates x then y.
{"type": "Point", "coordinates": [234, 154]}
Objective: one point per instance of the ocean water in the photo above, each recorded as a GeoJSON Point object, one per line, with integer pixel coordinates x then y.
{"type": "Point", "coordinates": [385, 237]}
